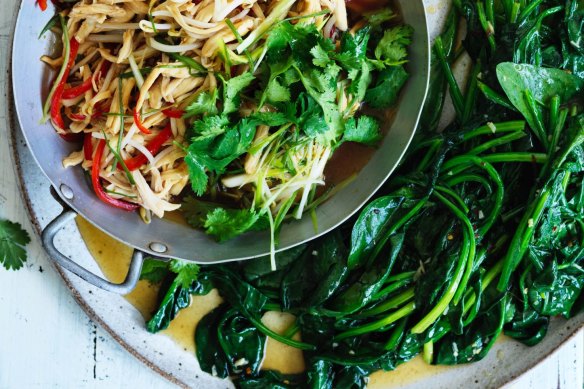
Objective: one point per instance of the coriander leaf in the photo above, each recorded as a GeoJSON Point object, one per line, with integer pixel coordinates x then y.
{"type": "Point", "coordinates": [311, 119]}
{"type": "Point", "coordinates": [154, 270]}
{"type": "Point", "coordinates": [321, 57]}
{"type": "Point", "coordinates": [276, 92]}
{"type": "Point", "coordinates": [195, 211]}
{"type": "Point", "coordinates": [204, 104]}
{"type": "Point", "coordinates": [391, 49]}
{"type": "Point", "coordinates": [321, 86]}
{"type": "Point", "coordinates": [234, 142]}
{"type": "Point", "coordinates": [197, 173]}
{"type": "Point", "coordinates": [387, 86]}
{"type": "Point", "coordinates": [12, 241]}
{"type": "Point", "coordinates": [290, 44]}
{"type": "Point", "coordinates": [377, 17]}
{"type": "Point", "coordinates": [187, 272]}
{"type": "Point", "coordinates": [225, 224]}
{"type": "Point", "coordinates": [364, 130]}
{"type": "Point", "coordinates": [353, 49]}
{"type": "Point", "coordinates": [232, 89]}
{"type": "Point", "coordinates": [272, 119]}
{"type": "Point", "coordinates": [217, 149]}
{"type": "Point", "coordinates": [210, 126]}
{"type": "Point", "coordinates": [360, 82]}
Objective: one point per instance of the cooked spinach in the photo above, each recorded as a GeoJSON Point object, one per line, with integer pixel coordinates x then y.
{"type": "Point", "coordinates": [479, 232]}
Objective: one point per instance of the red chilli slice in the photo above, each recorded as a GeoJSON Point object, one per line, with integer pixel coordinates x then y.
{"type": "Point", "coordinates": [56, 117]}
{"type": "Point", "coordinates": [154, 147]}
{"type": "Point", "coordinates": [99, 191]}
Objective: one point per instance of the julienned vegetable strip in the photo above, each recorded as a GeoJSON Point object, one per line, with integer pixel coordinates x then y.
{"type": "Point", "coordinates": [78, 90]}
{"type": "Point", "coordinates": [95, 180]}
{"type": "Point", "coordinates": [86, 85]}
{"type": "Point", "coordinates": [153, 147]}
{"type": "Point", "coordinates": [88, 147]}
{"type": "Point", "coordinates": [139, 124]}
{"type": "Point", "coordinates": [56, 117]}
{"type": "Point", "coordinates": [279, 12]}
{"type": "Point", "coordinates": [173, 113]}
{"type": "Point", "coordinates": [66, 56]}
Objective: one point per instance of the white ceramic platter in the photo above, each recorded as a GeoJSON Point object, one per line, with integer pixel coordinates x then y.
{"type": "Point", "coordinates": [506, 361]}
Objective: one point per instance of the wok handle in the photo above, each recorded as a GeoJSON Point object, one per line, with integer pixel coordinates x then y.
{"type": "Point", "coordinates": [48, 238]}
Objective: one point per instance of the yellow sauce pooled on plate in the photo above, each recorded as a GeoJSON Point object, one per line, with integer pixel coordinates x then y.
{"type": "Point", "coordinates": [113, 258]}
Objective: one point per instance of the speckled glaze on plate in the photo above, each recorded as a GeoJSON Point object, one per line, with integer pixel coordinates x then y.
{"type": "Point", "coordinates": [506, 361]}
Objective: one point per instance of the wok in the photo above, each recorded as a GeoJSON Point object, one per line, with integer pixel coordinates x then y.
{"type": "Point", "coordinates": [165, 238]}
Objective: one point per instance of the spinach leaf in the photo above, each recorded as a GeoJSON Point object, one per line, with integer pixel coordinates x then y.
{"type": "Point", "coordinates": [541, 83]}
{"type": "Point", "coordinates": [478, 338]}
{"type": "Point", "coordinates": [185, 281]}
{"type": "Point", "coordinates": [210, 354]}
{"type": "Point", "coordinates": [324, 261]}
{"type": "Point", "coordinates": [554, 291]}
{"type": "Point", "coordinates": [363, 290]}
{"type": "Point", "coordinates": [270, 379]}
{"type": "Point", "coordinates": [243, 345]}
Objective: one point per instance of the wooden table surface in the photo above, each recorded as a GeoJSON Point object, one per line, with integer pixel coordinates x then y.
{"type": "Point", "coordinates": [47, 341]}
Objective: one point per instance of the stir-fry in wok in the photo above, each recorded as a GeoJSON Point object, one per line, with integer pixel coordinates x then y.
{"type": "Point", "coordinates": [232, 108]}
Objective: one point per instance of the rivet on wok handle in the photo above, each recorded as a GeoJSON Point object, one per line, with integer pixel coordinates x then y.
{"type": "Point", "coordinates": [158, 247]}
{"type": "Point", "coordinates": [48, 238]}
{"type": "Point", "coordinates": [66, 191]}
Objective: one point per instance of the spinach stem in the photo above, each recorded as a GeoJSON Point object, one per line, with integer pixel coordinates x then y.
{"type": "Point", "coordinates": [274, 335]}
{"type": "Point", "coordinates": [392, 288]}
{"type": "Point", "coordinates": [462, 178]}
{"type": "Point", "coordinates": [471, 243]}
{"type": "Point", "coordinates": [487, 26]}
{"type": "Point", "coordinates": [292, 330]}
{"type": "Point", "coordinates": [493, 96]}
{"type": "Point", "coordinates": [516, 157]}
{"type": "Point", "coordinates": [493, 128]}
{"type": "Point", "coordinates": [535, 112]}
{"type": "Point", "coordinates": [390, 304]}
{"type": "Point", "coordinates": [459, 201]}
{"type": "Point", "coordinates": [471, 93]}
{"type": "Point", "coordinates": [428, 353]}
{"type": "Point", "coordinates": [455, 93]}
{"type": "Point", "coordinates": [481, 163]}
{"type": "Point", "coordinates": [397, 334]}
{"type": "Point", "coordinates": [497, 142]}
{"type": "Point", "coordinates": [515, 11]}
{"type": "Point", "coordinates": [376, 325]}
{"type": "Point", "coordinates": [465, 254]}
{"type": "Point", "coordinates": [528, 10]}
